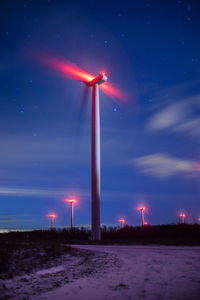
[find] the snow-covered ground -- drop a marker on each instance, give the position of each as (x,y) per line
(115,272)
(58,272)
(139,272)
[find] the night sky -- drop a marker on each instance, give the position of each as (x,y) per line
(150,147)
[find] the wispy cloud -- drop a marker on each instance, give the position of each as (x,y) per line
(12,217)
(182,116)
(164,166)
(6,217)
(167,117)
(24,150)
(39,192)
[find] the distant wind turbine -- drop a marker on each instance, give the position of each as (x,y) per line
(142,209)
(52,217)
(182,217)
(122,221)
(72,202)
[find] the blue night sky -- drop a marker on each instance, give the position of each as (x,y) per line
(150,147)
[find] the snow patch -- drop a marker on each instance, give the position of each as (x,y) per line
(50,270)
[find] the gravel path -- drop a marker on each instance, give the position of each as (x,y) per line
(139,272)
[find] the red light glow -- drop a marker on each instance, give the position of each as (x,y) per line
(53,216)
(70,200)
(182,215)
(113,92)
(146,223)
(122,220)
(67,69)
(141,208)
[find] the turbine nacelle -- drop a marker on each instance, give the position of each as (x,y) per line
(98,80)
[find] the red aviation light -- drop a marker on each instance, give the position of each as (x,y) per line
(53,216)
(98,80)
(122,220)
(182,215)
(141,208)
(70,200)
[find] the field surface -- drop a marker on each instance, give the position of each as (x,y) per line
(136,272)
(52,270)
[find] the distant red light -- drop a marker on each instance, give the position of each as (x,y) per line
(53,216)
(182,215)
(71,200)
(146,223)
(122,220)
(141,208)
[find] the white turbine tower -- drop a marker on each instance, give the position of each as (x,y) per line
(95,157)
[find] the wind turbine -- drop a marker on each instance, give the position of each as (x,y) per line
(122,221)
(182,217)
(67,69)
(52,217)
(71,202)
(142,209)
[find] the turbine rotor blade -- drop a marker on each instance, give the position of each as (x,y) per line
(80,129)
(67,69)
(64,68)
(84,104)
(113,92)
